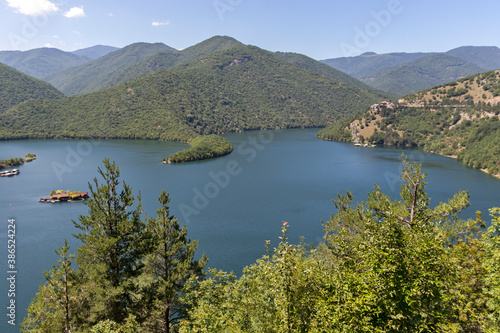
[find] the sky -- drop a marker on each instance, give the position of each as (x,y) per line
(320,29)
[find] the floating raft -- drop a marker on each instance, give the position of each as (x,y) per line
(65,197)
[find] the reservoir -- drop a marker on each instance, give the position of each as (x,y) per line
(231,205)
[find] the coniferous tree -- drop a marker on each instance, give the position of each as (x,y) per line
(112,237)
(56,306)
(168,265)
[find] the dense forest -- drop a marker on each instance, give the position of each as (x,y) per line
(17,87)
(385,265)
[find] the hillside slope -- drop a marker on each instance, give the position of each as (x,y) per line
(17,87)
(419,74)
(41,62)
(90,76)
(323,69)
(458,119)
(166,60)
(232,90)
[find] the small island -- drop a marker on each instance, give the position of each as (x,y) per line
(202,147)
(12,162)
(68,196)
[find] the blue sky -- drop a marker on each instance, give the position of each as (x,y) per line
(320,29)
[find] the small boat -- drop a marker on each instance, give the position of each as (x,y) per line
(9,173)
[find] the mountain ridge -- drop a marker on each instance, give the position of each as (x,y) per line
(236,89)
(41,62)
(89,76)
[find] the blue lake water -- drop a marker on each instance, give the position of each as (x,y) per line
(232,205)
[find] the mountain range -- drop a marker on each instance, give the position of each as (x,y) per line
(405,73)
(238,88)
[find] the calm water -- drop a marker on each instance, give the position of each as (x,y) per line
(231,204)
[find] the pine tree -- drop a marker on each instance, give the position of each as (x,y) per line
(168,265)
(112,237)
(56,306)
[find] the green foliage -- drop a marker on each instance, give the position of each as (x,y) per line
(492,266)
(112,237)
(17,87)
(203,147)
(58,301)
(386,266)
(476,143)
(168,267)
(132,276)
(339,131)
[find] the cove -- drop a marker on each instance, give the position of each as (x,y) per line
(232,204)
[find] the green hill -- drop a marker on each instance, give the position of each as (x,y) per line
(17,87)
(458,119)
(166,60)
(41,62)
(92,75)
(422,73)
(232,90)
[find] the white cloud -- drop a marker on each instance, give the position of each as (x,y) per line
(49,45)
(158,23)
(33,7)
(75,12)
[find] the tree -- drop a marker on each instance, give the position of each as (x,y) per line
(56,305)
(168,266)
(492,266)
(391,269)
(113,242)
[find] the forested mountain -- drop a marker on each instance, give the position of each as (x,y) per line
(239,88)
(166,60)
(322,69)
(370,62)
(17,87)
(419,74)
(458,119)
(487,57)
(90,76)
(95,52)
(41,62)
